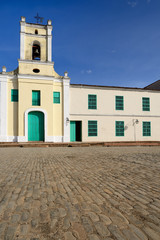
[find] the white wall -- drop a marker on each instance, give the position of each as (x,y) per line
(3,108)
(106,115)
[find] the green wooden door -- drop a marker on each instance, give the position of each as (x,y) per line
(72,131)
(35,126)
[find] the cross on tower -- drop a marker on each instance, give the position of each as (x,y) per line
(39,18)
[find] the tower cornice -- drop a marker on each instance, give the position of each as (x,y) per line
(36,62)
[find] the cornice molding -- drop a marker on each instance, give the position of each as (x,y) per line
(35,62)
(114,115)
(36,25)
(109,88)
(39,77)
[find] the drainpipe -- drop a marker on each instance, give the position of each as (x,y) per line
(135,121)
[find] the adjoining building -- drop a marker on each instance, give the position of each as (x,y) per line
(37,104)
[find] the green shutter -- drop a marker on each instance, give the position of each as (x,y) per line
(92,128)
(56,97)
(145,104)
(14,95)
(119,103)
(146,129)
(92,101)
(35,98)
(119,128)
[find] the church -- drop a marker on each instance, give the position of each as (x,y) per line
(37,104)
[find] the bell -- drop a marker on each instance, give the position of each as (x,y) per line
(37,51)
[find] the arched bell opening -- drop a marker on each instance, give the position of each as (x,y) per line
(36,51)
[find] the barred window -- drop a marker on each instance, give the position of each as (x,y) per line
(92,101)
(119,128)
(119,103)
(92,128)
(145,104)
(146,129)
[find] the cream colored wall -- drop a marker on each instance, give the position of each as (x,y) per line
(58,111)
(27,68)
(31,30)
(106,128)
(106,101)
(28,46)
(106,115)
(12,110)
(45,69)
(54,113)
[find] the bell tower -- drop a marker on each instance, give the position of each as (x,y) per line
(35,41)
(36,49)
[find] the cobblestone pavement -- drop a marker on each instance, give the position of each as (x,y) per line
(80,193)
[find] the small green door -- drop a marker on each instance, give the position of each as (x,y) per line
(72,131)
(35,126)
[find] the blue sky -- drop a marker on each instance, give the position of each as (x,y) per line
(102,42)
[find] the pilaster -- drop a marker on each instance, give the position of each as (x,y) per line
(22,37)
(49,41)
(3,108)
(66,125)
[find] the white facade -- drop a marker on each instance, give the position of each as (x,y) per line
(106,114)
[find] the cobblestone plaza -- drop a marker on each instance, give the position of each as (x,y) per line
(90,193)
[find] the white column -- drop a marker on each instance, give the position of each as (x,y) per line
(22,38)
(3,107)
(49,48)
(49,41)
(66,123)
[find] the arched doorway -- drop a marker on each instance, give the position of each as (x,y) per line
(35,126)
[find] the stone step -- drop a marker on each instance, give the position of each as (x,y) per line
(79,144)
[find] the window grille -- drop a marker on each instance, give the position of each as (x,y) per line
(92,128)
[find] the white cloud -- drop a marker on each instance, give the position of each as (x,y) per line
(89,71)
(132,3)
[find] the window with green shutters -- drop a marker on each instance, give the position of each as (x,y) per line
(119,128)
(14,95)
(119,103)
(35,98)
(92,128)
(56,97)
(92,101)
(145,104)
(146,129)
